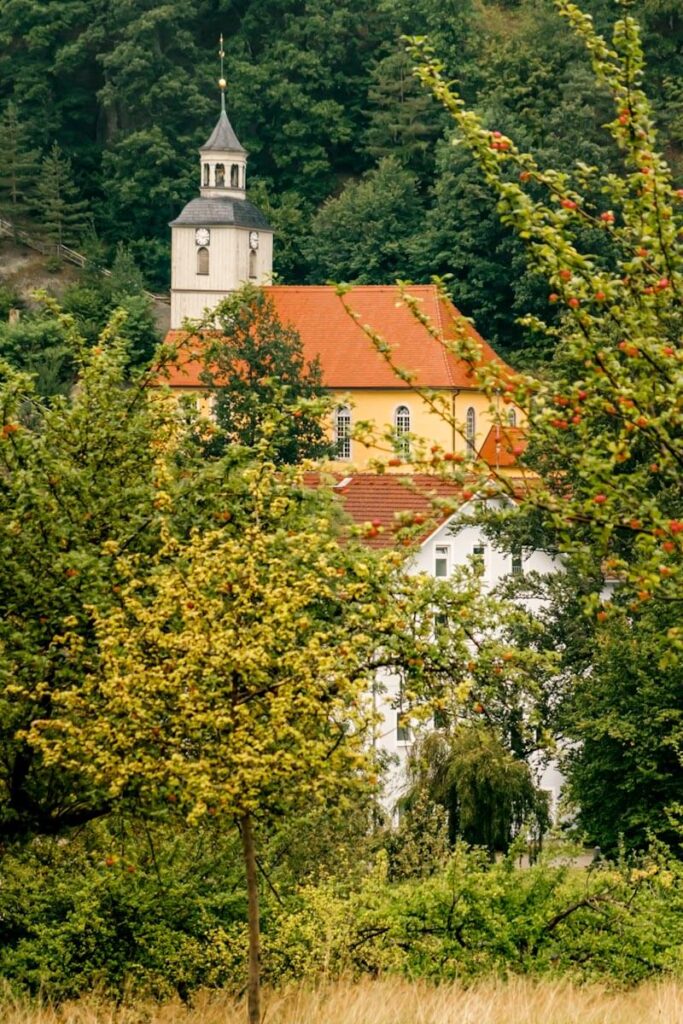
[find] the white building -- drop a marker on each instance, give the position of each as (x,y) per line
(220,241)
(447,546)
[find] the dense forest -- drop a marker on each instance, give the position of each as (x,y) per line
(103,108)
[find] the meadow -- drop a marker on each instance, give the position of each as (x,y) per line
(391,1001)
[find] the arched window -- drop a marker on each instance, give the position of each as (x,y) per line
(235,176)
(203,260)
(401,430)
(206,174)
(512,418)
(244,176)
(219,177)
(252,265)
(471,430)
(342,433)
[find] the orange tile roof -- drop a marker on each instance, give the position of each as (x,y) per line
(503,446)
(381,500)
(347,356)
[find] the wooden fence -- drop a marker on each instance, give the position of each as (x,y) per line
(62,251)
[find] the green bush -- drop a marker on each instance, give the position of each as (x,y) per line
(125,910)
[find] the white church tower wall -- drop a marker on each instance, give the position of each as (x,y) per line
(220,241)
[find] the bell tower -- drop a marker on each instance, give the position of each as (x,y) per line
(220,240)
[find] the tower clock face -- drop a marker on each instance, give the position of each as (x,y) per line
(253,239)
(202,236)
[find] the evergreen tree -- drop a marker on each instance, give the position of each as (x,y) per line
(63,216)
(403,121)
(18,165)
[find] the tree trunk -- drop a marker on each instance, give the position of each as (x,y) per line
(254,974)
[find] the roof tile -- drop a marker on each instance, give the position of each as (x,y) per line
(347,356)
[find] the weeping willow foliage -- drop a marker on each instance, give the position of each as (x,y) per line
(488,794)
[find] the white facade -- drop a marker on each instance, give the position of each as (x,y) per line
(457,546)
(230,264)
(220,241)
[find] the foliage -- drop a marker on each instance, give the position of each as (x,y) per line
(317,94)
(18,165)
(132,909)
(77,486)
(624,722)
(604,432)
(256,364)
(63,215)
(366,234)
(489,795)
(38,345)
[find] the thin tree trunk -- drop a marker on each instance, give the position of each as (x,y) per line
(254,974)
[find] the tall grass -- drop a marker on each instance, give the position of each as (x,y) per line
(390,1002)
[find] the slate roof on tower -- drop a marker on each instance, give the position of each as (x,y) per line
(223,137)
(347,357)
(209,212)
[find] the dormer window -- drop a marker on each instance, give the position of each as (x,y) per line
(235,176)
(219,175)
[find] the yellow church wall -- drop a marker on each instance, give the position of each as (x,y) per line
(379,407)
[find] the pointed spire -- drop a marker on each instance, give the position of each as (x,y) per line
(223,136)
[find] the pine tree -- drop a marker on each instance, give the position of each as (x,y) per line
(63,215)
(18,164)
(403,121)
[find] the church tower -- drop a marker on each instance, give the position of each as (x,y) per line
(220,241)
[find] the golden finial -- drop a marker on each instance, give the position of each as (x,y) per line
(222,83)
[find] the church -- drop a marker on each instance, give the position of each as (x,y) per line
(221,240)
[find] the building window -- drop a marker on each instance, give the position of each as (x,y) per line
(342,433)
(252,265)
(478,554)
(206,174)
(203,260)
(401,430)
(235,176)
(512,418)
(441,560)
(517,567)
(403,731)
(219,175)
(470,430)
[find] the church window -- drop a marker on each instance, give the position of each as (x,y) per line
(252,265)
(219,175)
(235,176)
(401,430)
(206,174)
(342,433)
(203,260)
(512,418)
(470,430)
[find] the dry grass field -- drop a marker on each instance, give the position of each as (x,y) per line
(392,1002)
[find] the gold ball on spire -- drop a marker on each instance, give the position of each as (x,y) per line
(222,83)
